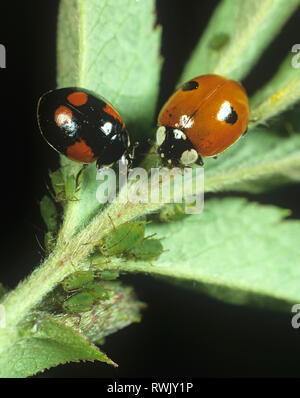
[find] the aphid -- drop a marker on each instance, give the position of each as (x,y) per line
(86,291)
(79,302)
(49,241)
(97,291)
(219,41)
(172,212)
(77,280)
(64,190)
(108,275)
(147,250)
(123,238)
(57,182)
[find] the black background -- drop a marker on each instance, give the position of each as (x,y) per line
(182,333)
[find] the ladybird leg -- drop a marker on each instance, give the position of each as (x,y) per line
(84,166)
(245,132)
(215,157)
(99,164)
(131,153)
(199,161)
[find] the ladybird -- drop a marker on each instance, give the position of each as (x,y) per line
(82,126)
(203,118)
(148,250)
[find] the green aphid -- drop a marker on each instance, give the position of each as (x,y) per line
(77,280)
(97,291)
(123,238)
(79,302)
(49,241)
(63,189)
(49,213)
(70,187)
(219,41)
(108,275)
(172,212)
(57,182)
(148,250)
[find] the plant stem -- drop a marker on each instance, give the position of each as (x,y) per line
(68,254)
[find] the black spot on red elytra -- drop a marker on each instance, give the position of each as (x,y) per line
(232,117)
(191,85)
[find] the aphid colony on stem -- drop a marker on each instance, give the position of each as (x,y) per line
(127,240)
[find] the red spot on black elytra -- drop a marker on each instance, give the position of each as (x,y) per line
(81,152)
(63,115)
(78,98)
(111,111)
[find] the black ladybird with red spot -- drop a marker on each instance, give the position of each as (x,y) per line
(82,126)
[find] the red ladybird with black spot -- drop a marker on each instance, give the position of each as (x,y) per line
(203,118)
(83,126)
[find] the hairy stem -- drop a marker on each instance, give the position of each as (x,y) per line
(67,256)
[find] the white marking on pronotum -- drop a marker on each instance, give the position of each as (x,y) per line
(106,128)
(225,111)
(178,134)
(160,135)
(189,156)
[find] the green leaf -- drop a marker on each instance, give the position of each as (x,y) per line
(48,344)
(239,252)
(259,161)
(49,213)
(112,48)
(249,26)
(279,94)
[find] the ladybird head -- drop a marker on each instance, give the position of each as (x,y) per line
(174,148)
(119,148)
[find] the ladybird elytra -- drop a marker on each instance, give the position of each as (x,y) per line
(83,126)
(203,118)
